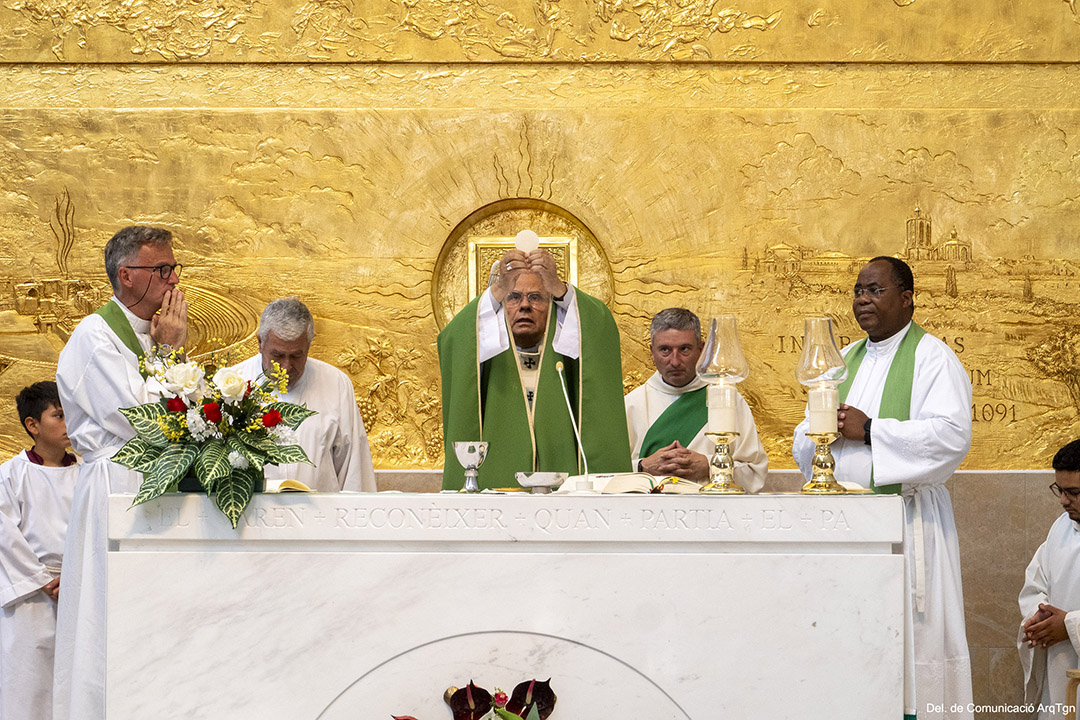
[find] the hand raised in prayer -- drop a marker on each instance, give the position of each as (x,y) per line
(678,461)
(52,589)
(850,421)
(1046,627)
(512,264)
(542,263)
(170,325)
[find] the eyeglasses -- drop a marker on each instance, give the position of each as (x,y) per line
(535,299)
(1070,493)
(163,271)
(874,292)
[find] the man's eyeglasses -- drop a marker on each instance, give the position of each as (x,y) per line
(1070,493)
(163,271)
(874,292)
(535,299)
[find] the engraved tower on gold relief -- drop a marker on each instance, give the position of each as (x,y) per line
(919,244)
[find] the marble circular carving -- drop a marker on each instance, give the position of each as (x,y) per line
(505,218)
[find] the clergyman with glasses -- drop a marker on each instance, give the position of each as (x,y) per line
(97,374)
(1049,638)
(905,424)
(499,359)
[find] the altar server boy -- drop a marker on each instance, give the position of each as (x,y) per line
(35,501)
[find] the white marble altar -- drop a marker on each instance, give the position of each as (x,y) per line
(357,606)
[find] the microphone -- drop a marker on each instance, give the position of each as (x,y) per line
(573,424)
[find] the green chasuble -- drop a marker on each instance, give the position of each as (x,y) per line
(896,395)
(682,421)
(117,321)
(487,402)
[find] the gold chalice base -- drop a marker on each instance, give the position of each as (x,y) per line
(823,486)
(722,488)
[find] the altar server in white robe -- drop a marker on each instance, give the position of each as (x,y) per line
(35,503)
(1049,638)
(335,439)
(668,439)
(97,374)
(905,424)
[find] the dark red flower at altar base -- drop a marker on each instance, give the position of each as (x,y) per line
(212,412)
(470,702)
(271,418)
(530,693)
(175,404)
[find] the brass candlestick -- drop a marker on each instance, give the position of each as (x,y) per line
(722,466)
(822,482)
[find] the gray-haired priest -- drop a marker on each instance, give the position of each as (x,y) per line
(97,374)
(335,439)
(667,415)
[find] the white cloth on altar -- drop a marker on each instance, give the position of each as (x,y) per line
(1053,578)
(492,336)
(96,376)
(35,503)
(335,439)
(920,454)
(647,402)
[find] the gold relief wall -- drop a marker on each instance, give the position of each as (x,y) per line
(744,159)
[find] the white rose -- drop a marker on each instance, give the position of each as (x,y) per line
(230,384)
(183,379)
(238,461)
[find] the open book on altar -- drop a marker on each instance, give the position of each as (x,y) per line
(644,483)
(288,486)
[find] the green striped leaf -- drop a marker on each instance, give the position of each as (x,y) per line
(256,441)
(212,464)
(167,470)
(285,454)
(134,452)
(234,493)
(254,458)
(144,418)
(146,462)
(291,413)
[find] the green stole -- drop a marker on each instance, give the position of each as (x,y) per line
(117,321)
(896,394)
(487,402)
(682,421)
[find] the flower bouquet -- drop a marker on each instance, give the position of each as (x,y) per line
(221,428)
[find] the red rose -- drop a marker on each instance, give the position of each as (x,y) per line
(176,405)
(501,699)
(212,412)
(271,418)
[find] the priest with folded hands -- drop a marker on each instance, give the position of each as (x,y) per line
(667,415)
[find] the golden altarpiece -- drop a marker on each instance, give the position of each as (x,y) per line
(742,159)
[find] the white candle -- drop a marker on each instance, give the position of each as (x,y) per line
(721,402)
(823,402)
